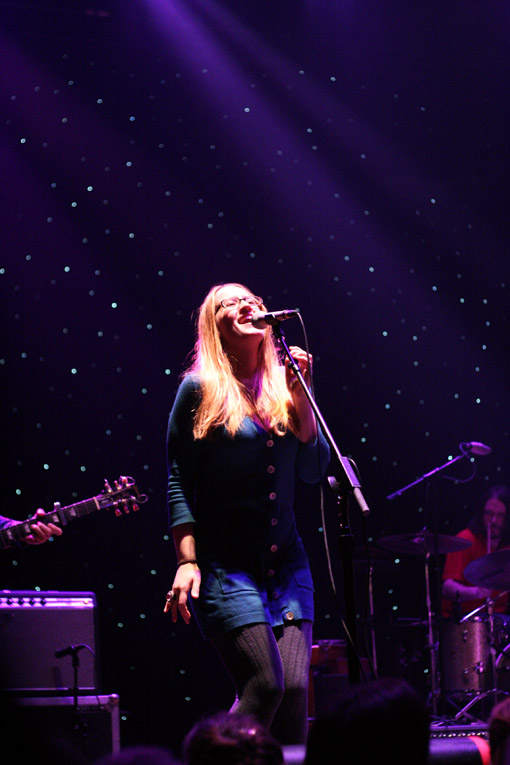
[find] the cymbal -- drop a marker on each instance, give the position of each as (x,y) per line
(423,542)
(491,571)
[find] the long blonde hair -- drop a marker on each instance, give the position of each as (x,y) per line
(225,401)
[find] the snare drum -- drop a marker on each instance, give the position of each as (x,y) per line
(466,657)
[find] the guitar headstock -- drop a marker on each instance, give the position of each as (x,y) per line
(123,496)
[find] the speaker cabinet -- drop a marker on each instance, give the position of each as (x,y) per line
(66,728)
(34,626)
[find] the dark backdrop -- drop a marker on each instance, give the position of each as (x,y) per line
(348,158)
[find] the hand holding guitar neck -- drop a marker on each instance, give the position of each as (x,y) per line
(123,497)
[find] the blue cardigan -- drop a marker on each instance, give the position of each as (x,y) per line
(239,493)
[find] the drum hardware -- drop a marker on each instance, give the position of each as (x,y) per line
(373,559)
(484,656)
(425,543)
(503,668)
(432,645)
(496,692)
(492,643)
(491,571)
(372,619)
(489,668)
(502,639)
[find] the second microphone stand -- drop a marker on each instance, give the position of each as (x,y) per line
(345,486)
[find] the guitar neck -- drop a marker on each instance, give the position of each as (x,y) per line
(61,516)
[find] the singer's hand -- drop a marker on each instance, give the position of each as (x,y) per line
(301,358)
(304,417)
(186,582)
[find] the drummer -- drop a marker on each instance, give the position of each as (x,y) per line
(488,531)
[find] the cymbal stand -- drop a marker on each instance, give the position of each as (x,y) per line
(492,642)
(432,644)
(372,618)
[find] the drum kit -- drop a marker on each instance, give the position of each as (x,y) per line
(475,649)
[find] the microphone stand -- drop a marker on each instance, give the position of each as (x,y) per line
(346,486)
(79,726)
(76,665)
(423,477)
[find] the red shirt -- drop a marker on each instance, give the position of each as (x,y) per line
(454,566)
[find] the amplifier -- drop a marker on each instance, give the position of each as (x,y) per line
(68,729)
(464,750)
(34,626)
(453,730)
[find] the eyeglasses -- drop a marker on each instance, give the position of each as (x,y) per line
(233,302)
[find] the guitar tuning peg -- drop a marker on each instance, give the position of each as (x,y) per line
(107,486)
(134,505)
(117,509)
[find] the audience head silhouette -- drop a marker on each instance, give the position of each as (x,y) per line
(499,733)
(231,739)
(383,719)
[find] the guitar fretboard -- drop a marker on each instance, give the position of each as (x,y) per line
(16,533)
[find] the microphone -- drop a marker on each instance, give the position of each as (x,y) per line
(475,447)
(69,651)
(262,320)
